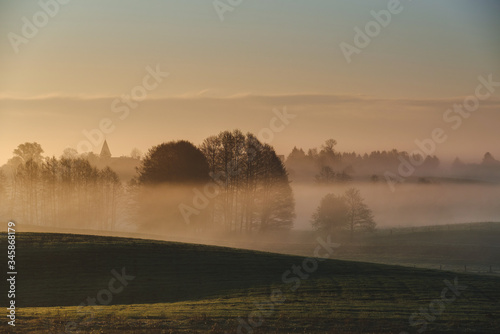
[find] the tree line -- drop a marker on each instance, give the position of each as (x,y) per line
(66,192)
(232,182)
(327,165)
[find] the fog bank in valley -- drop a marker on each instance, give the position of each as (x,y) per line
(409,204)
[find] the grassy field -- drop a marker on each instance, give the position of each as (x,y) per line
(188,288)
(473,247)
(454,247)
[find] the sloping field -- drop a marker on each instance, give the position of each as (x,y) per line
(164,287)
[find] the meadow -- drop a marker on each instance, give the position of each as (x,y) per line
(192,288)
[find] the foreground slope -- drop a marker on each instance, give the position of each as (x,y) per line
(186,288)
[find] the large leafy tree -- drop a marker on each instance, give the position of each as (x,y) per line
(173,162)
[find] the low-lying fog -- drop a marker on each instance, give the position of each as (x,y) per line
(410,204)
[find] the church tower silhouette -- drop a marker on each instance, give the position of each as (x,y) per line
(105,152)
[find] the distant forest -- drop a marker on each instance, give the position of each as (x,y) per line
(326,165)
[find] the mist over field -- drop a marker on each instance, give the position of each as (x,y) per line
(411,204)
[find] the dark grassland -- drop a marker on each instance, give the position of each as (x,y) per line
(189,288)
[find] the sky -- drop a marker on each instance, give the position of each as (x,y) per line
(65,84)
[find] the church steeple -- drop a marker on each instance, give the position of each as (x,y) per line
(105,152)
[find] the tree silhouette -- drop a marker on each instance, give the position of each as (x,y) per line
(3,195)
(326,175)
(29,151)
(67,192)
(346,165)
(173,162)
(276,205)
(331,214)
(359,216)
(327,155)
(110,191)
(255,193)
(347,212)
(26,166)
(489,160)
(69,153)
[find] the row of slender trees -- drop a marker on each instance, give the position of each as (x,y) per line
(3,195)
(67,192)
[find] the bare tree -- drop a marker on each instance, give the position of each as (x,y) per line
(276,207)
(28,159)
(3,195)
(211,148)
(359,216)
(50,179)
(255,194)
(110,189)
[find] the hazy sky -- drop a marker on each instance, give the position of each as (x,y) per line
(232,73)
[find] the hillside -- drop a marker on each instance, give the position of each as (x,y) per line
(178,287)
